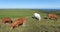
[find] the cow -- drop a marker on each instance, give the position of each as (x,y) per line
(37,16)
(17,22)
(54,16)
(6,20)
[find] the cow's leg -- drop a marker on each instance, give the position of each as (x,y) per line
(39,19)
(49,17)
(24,23)
(55,19)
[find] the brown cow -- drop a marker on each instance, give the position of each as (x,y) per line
(6,20)
(54,16)
(17,22)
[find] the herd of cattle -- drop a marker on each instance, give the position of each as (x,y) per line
(21,20)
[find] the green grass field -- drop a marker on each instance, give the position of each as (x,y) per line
(31,25)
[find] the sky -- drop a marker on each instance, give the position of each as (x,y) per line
(30,4)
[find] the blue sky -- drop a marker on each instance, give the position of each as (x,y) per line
(40,4)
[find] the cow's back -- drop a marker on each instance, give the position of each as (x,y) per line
(6,20)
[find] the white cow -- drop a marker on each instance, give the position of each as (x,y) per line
(36,15)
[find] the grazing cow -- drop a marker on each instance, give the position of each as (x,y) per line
(17,22)
(37,16)
(54,16)
(6,20)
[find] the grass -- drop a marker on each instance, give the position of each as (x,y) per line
(32,25)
